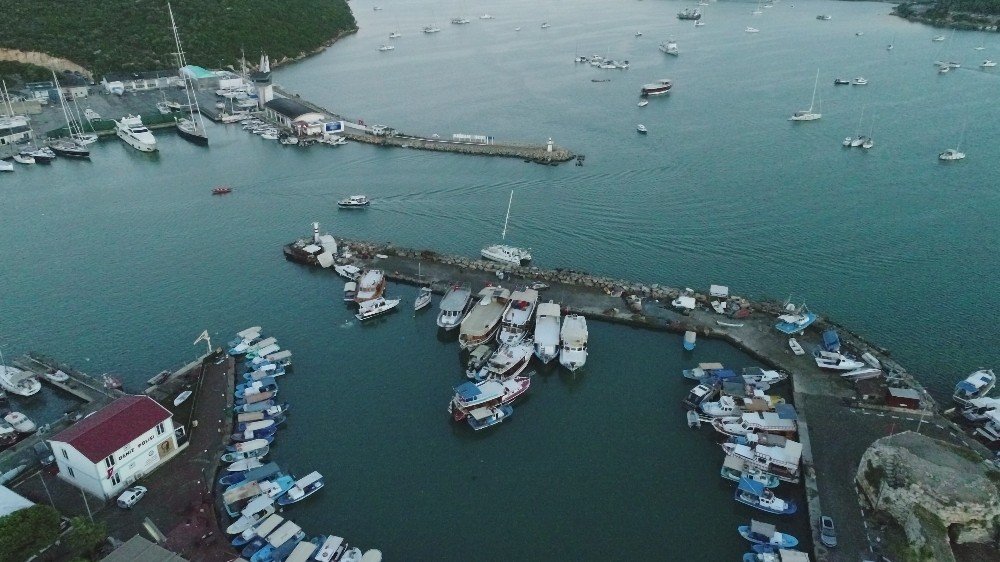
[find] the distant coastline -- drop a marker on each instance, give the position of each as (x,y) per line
(971,15)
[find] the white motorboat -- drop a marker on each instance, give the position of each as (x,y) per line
(91,115)
(976,385)
(796,347)
(860,81)
(836,361)
(938,38)
(507,362)
(375,307)
(131,130)
(384,47)
(641,129)
(951,154)
(23,159)
(20,422)
(752,30)
(988,63)
(547,324)
(395,35)
(483,320)
(270,134)
(670,48)
(699,23)
(808,114)
(423,298)
(354,202)
(431,29)
(502,252)
(460,21)
(573,353)
(485,17)
(16,381)
(371,285)
(643,103)
(546,26)
(56,376)
(453,306)
(658,88)
(518,316)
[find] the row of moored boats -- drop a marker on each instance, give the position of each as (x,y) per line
(254,490)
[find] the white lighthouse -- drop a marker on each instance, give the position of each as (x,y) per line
(262,81)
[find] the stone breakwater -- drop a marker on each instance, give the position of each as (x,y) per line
(538,154)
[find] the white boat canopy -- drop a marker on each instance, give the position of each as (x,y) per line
(720,291)
(269,524)
(285,532)
(684,302)
(245,334)
(480,414)
(311,478)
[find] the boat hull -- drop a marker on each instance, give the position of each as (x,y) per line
(135,143)
(196,136)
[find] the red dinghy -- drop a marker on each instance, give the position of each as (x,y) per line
(222,190)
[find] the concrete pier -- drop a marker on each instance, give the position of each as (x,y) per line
(836,426)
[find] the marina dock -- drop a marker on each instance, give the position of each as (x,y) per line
(828,407)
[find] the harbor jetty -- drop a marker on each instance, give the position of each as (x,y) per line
(828,406)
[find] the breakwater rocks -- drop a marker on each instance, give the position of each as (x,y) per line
(539,154)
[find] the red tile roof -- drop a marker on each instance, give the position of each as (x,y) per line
(114,426)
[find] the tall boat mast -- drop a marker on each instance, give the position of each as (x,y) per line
(503,235)
(197,125)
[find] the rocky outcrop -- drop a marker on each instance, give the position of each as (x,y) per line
(938,493)
(43,60)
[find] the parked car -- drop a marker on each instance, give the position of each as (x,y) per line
(131,496)
(44,453)
(827,532)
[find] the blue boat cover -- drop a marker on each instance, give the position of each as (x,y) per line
(467,391)
(786,411)
(966,386)
(831,341)
(790,328)
(722,374)
(751,486)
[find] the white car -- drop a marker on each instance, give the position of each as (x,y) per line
(131,496)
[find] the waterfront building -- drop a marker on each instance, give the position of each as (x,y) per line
(903,398)
(73,85)
(262,81)
(295,116)
(14,129)
(139,81)
(138,548)
(110,449)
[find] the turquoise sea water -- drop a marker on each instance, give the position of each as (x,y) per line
(117,264)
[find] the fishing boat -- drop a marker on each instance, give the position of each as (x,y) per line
(254,512)
(354,202)
(234,457)
(547,327)
(477,360)
(483,320)
(247,446)
(222,190)
(16,381)
(329,547)
(256,406)
(658,88)
(423,298)
(261,472)
(302,552)
(470,396)
(836,361)
(504,253)
(384,47)
(460,21)
(288,534)
(260,530)
(131,130)
(860,81)
(348,271)
(757,496)
(20,422)
(431,29)
(863,373)
(192,127)
(780,460)
(453,306)
(507,362)
(376,307)
(769,376)
(482,418)
(371,285)
(641,129)
(808,114)
(253,398)
(303,488)
(699,394)
(841,82)
(573,353)
(689,340)
(736,469)
(795,320)
(246,435)
(824,17)
(976,385)
(518,316)
(765,533)
(182,397)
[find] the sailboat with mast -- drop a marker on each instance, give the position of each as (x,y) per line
(68,146)
(191,127)
(809,114)
(504,253)
(952,154)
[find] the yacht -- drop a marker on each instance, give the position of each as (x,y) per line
(23,159)
(483,320)
(131,130)
(641,129)
(988,63)
(431,29)
(573,353)
(375,307)
(752,30)
(16,381)
(485,17)
(518,316)
(657,88)
(508,362)
(469,396)
(192,127)
(460,21)
(546,26)
(808,114)
(860,81)
(547,323)
(836,361)
(670,48)
(976,385)
(371,285)
(69,148)
(395,35)
(385,47)
(20,422)
(938,38)
(502,252)
(453,306)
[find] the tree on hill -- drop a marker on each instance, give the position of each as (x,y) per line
(85,537)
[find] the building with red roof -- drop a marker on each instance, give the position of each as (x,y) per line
(110,449)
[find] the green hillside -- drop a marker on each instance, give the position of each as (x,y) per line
(113,35)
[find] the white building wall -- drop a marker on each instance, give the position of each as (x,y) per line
(76,468)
